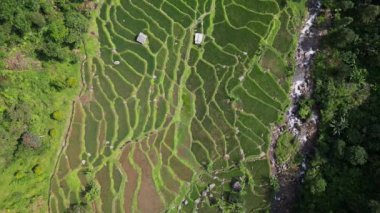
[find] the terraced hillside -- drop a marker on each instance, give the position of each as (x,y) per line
(171,125)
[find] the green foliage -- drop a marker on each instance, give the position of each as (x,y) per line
(51,28)
(357,155)
(58,115)
(19,174)
(38,30)
(369,13)
(37,19)
(76,21)
(305,106)
(37,169)
(53,133)
(26,100)
(274,183)
(91,192)
(21,23)
(57,31)
(343,37)
(344,171)
(79,208)
(318,186)
(31,140)
(71,82)
(286,148)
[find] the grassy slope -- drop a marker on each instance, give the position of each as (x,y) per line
(34,88)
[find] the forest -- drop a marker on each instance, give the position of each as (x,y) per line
(344,173)
(40,45)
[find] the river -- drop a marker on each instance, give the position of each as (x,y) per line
(303,130)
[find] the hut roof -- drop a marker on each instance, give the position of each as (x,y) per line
(198,38)
(141,38)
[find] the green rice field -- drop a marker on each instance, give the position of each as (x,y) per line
(154,131)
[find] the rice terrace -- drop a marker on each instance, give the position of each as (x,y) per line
(178,122)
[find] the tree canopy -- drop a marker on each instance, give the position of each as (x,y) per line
(344,171)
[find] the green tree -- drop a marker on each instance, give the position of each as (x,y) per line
(7,9)
(37,19)
(58,31)
(91,192)
(346,5)
(318,186)
(53,133)
(31,140)
(22,23)
(357,155)
(76,21)
(53,50)
(369,13)
(343,37)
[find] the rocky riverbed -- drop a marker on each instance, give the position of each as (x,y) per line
(303,130)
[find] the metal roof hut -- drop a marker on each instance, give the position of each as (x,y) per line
(198,38)
(141,38)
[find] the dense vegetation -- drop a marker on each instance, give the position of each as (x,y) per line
(51,28)
(39,75)
(345,170)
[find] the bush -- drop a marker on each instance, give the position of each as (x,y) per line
(357,155)
(58,31)
(58,115)
(53,133)
(19,174)
(37,169)
(30,140)
(318,186)
(274,183)
(305,108)
(92,192)
(71,82)
(37,19)
(53,50)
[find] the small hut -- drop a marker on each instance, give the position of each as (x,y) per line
(198,38)
(141,38)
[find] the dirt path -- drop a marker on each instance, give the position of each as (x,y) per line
(65,137)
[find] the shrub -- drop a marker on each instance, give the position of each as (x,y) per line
(19,174)
(37,19)
(357,155)
(37,169)
(57,30)
(71,82)
(58,85)
(58,115)
(53,50)
(91,192)
(30,140)
(53,133)
(305,108)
